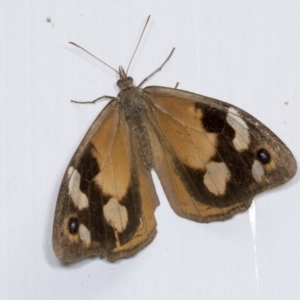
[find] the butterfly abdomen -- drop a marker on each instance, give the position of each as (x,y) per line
(144,146)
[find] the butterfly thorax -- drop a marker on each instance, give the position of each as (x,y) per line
(131,102)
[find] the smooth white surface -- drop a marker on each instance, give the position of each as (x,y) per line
(243,52)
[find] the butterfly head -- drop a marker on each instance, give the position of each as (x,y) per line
(125,81)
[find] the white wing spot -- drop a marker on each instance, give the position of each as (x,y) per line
(116,214)
(79,199)
(216,177)
(141,224)
(84,234)
(241,140)
(258,171)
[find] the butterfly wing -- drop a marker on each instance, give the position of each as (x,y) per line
(107,199)
(211,157)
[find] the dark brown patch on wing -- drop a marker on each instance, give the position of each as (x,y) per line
(132,202)
(212,120)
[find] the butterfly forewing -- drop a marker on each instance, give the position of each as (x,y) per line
(107,200)
(211,157)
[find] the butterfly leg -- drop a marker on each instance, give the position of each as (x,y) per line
(94,101)
(158,69)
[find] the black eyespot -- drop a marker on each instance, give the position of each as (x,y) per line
(130,79)
(73,225)
(120,83)
(264,156)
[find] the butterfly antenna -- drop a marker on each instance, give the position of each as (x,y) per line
(138,44)
(93,56)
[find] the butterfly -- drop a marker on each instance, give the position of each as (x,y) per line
(211,157)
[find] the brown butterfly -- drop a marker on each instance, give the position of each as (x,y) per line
(212,158)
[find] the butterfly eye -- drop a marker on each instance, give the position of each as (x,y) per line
(120,83)
(264,156)
(73,225)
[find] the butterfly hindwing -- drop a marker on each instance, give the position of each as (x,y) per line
(107,199)
(211,157)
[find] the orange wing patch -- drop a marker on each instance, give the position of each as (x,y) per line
(180,124)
